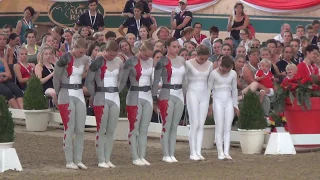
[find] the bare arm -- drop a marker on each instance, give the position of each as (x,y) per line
(184,23)
(173,21)
(35,17)
(38,72)
(247,75)
(152,29)
(229,27)
(120,30)
(7,71)
(245,24)
(18,27)
(234,91)
(17,72)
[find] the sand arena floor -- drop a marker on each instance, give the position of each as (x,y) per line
(42,157)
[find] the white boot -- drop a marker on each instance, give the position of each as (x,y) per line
(174,159)
(145,162)
(111,165)
(138,162)
(103,165)
(81,166)
(167,159)
(71,166)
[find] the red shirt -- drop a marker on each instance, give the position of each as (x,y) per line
(285,81)
(304,70)
(267,81)
(26,71)
(202,36)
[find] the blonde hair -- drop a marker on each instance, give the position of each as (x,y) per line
(44,39)
(146,45)
(21,49)
(44,48)
(265,61)
(97,35)
(293,66)
(81,43)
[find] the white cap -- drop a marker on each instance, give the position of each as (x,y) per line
(183,1)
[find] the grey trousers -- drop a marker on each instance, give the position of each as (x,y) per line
(73,116)
(106,117)
(171,112)
(139,118)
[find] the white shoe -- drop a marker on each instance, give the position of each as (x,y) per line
(228,157)
(103,165)
(221,157)
(174,159)
(138,162)
(111,165)
(201,157)
(145,162)
(167,159)
(71,166)
(194,158)
(81,166)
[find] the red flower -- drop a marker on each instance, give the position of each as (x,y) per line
(293,86)
(306,80)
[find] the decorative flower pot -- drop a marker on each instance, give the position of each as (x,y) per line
(9,159)
(37,120)
(251,141)
(122,129)
(303,122)
(6,145)
(208,137)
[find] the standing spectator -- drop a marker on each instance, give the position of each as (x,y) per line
(181,19)
(285,27)
(91,19)
(129,8)
(237,21)
(134,23)
(29,17)
(316,26)
(154,21)
(7,30)
(311,35)
(208,42)
(197,27)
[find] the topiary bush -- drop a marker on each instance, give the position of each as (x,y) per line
(34,98)
(6,122)
(252,115)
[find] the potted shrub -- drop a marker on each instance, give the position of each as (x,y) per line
(251,124)
(35,106)
(208,133)
(8,156)
(298,98)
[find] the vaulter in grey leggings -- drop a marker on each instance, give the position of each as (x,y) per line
(67,84)
(104,72)
(139,102)
(172,70)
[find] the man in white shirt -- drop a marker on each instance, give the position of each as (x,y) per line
(285,27)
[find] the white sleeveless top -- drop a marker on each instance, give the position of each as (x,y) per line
(76,78)
(145,80)
(177,77)
(111,80)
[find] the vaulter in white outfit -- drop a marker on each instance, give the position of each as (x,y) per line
(223,81)
(197,97)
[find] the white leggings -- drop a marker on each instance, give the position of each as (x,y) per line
(197,105)
(223,116)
